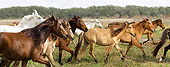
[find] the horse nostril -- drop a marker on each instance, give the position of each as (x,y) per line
(86,30)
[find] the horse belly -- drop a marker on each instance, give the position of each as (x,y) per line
(104,41)
(18,51)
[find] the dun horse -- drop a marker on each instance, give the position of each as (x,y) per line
(155,23)
(97,36)
(28,44)
(161,43)
(139,29)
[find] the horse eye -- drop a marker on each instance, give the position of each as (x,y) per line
(97,22)
(79,21)
(130,27)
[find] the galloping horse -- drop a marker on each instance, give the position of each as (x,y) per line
(161,43)
(28,44)
(139,29)
(155,23)
(89,25)
(28,21)
(53,40)
(97,36)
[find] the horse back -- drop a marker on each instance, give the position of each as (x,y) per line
(15,44)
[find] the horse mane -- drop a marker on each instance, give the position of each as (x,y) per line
(156,21)
(37,32)
(117,30)
(162,42)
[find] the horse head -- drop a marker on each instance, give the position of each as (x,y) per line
(97,23)
(129,28)
(67,27)
(77,22)
(160,23)
(56,27)
(148,25)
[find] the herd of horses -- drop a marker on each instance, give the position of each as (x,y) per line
(35,38)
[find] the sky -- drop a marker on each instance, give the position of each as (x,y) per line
(64,4)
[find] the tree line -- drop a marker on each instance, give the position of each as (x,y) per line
(108,11)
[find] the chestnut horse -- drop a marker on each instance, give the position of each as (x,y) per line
(75,22)
(97,36)
(139,29)
(53,41)
(155,23)
(28,44)
(161,43)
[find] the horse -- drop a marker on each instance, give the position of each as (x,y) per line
(28,21)
(161,43)
(155,23)
(89,25)
(139,29)
(54,41)
(28,44)
(97,36)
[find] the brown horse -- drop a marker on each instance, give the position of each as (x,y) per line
(161,43)
(155,23)
(139,29)
(75,22)
(28,44)
(97,36)
(53,41)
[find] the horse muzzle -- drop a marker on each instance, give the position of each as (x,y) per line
(86,30)
(134,35)
(153,30)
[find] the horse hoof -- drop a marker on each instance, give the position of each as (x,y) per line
(68,60)
(161,59)
(122,59)
(96,61)
(53,65)
(144,58)
(60,63)
(79,60)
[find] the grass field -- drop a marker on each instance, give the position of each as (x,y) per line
(133,58)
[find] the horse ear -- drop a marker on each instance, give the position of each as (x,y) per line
(126,23)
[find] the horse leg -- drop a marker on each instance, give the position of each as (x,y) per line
(109,48)
(24,63)
(50,57)
(152,38)
(83,49)
(128,47)
(91,51)
(165,50)
(40,59)
(60,56)
(139,46)
(118,48)
(9,63)
(72,53)
(148,35)
(16,63)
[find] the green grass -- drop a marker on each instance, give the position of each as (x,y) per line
(133,58)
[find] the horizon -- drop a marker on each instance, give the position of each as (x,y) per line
(67,4)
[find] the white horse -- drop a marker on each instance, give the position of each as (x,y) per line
(89,25)
(28,21)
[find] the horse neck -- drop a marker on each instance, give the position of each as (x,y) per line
(90,25)
(139,28)
(121,33)
(155,24)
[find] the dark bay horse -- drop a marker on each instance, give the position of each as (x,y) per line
(155,23)
(161,43)
(28,44)
(98,36)
(139,29)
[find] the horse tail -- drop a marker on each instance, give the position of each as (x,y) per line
(161,43)
(78,45)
